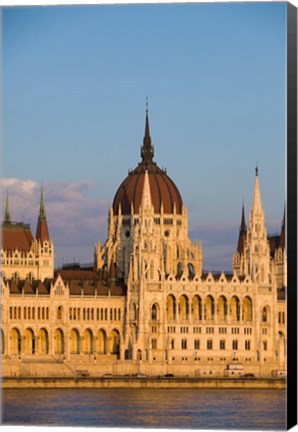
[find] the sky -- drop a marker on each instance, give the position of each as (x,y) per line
(74,88)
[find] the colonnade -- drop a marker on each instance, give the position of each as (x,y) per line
(59,342)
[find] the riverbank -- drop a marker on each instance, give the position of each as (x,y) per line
(148,382)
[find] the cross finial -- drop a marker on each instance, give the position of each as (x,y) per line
(146,104)
(257,169)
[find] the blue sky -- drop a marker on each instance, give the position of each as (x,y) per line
(75,81)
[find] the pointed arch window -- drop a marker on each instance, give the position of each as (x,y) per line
(154,312)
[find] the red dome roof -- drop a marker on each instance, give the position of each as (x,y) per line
(163,190)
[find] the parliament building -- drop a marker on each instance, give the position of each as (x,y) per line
(146,306)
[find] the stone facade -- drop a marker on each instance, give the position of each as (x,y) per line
(147,306)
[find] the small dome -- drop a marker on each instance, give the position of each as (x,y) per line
(163,190)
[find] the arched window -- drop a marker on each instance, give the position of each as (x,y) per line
(87,342)
(222,308)
(197,310)
(171,308)
(15,342)
(43,341)
(29,341)
(58,342)
(235,308)
(101,347)
(60,313)
(184,307)
(247,309)
(179,269)
(191,271)
(75,342)
(281,347)
(115,343)
(154,312)
(265,314)
(2,347)
(209,308)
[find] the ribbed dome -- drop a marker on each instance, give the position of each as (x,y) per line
(163,190)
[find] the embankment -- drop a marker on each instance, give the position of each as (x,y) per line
(128,382)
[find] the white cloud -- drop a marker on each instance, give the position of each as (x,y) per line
(76,221)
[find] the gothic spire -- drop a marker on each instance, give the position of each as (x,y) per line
(243,225)
(242,233)
(257,202)
(146,196)
(282,239)
(42,212)
(42,232)
(7,218)
(147,150)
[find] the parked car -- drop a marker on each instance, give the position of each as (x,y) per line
(168,375)
(82,374)
(107,375)
(247,375)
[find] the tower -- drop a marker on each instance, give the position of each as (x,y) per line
(279,256)
(239,256)
(258,251)
(148,242)
(22,255)
(253,251)
(43,245)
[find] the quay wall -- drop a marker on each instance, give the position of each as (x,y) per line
(191,383)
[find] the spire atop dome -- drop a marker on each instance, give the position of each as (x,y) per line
(147,150)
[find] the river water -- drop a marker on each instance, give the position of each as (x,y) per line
(146,408)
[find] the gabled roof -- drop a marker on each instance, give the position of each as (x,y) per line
(76,274)
(16,236)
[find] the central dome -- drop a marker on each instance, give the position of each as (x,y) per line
(163,190)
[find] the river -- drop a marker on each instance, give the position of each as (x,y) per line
(146,408)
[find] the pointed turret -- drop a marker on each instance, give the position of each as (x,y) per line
(42,211)
(147,150)
(146,197)
(7,219)
(242,233)
(282,239)
(257,208)
(258,245)
(42,232)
